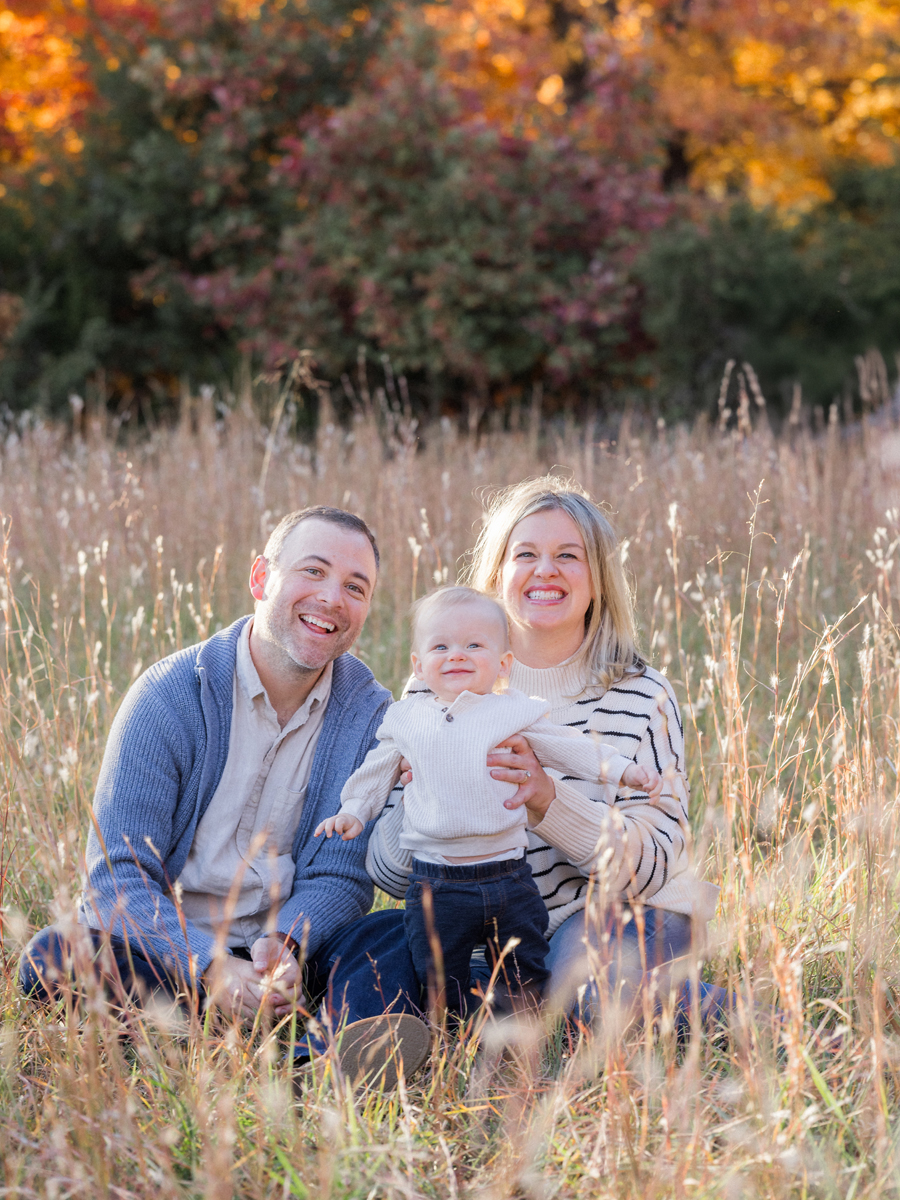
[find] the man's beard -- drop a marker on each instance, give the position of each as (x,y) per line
(279,633)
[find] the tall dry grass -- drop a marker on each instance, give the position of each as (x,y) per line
(766,573)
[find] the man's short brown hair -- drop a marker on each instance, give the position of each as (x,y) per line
(319,512)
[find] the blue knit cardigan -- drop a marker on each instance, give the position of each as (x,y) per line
(164,759)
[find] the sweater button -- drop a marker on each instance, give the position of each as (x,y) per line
(449,716)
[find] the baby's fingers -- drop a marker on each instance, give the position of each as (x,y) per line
(348,828)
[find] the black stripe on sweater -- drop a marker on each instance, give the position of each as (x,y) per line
(622,712)
(653,748)
(629,692)
(562,883)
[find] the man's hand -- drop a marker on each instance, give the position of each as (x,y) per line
(234,986)
(643,779)
(348,827)
(278,973)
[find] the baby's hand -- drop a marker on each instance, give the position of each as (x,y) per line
(348,827)
(643,780)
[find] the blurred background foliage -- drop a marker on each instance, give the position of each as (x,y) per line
(605,199)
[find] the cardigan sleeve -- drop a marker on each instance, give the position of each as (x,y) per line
(633,844)
(127,891)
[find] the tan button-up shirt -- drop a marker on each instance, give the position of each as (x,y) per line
(241,863)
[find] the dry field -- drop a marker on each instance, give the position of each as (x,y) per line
(767,580)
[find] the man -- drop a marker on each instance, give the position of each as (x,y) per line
(202,871)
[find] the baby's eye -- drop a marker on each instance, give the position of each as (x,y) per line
(439,646)
(474,646)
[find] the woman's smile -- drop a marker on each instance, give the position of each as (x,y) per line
(539,595)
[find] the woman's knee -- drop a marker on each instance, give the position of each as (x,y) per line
(615,956)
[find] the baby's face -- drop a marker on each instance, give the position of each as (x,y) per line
(461,649)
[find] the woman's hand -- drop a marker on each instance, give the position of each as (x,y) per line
(537,791)
(405,771)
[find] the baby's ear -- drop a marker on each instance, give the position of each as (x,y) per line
(506,662)
(416,665)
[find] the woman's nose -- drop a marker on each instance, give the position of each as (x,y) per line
(545,567)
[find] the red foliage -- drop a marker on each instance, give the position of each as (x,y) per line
(459,247)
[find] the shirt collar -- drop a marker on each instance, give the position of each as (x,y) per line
(252,686)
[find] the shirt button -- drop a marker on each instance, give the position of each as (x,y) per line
(449,716)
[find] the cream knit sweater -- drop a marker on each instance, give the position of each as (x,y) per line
(636,849)
(453,805)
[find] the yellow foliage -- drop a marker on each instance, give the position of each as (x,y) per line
(551,89)
(755,62)
(764,96)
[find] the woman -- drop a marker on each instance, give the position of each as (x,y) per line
(613,870)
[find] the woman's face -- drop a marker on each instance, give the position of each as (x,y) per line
(545,581)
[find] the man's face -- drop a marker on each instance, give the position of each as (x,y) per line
(312,603)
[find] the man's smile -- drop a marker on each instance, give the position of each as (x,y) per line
(317,624)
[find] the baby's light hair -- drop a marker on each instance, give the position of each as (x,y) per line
(455,597)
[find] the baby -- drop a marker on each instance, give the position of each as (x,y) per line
(468,849)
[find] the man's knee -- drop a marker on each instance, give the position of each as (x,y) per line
(46,964)
(365,968)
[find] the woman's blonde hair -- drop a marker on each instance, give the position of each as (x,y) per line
(609,650)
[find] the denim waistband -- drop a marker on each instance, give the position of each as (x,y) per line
(477,871)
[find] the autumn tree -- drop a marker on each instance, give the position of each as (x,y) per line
(470,186)
(477,253)
(172,176)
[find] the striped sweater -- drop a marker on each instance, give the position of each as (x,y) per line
(637,850)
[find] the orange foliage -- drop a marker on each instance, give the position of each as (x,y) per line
(44,84)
